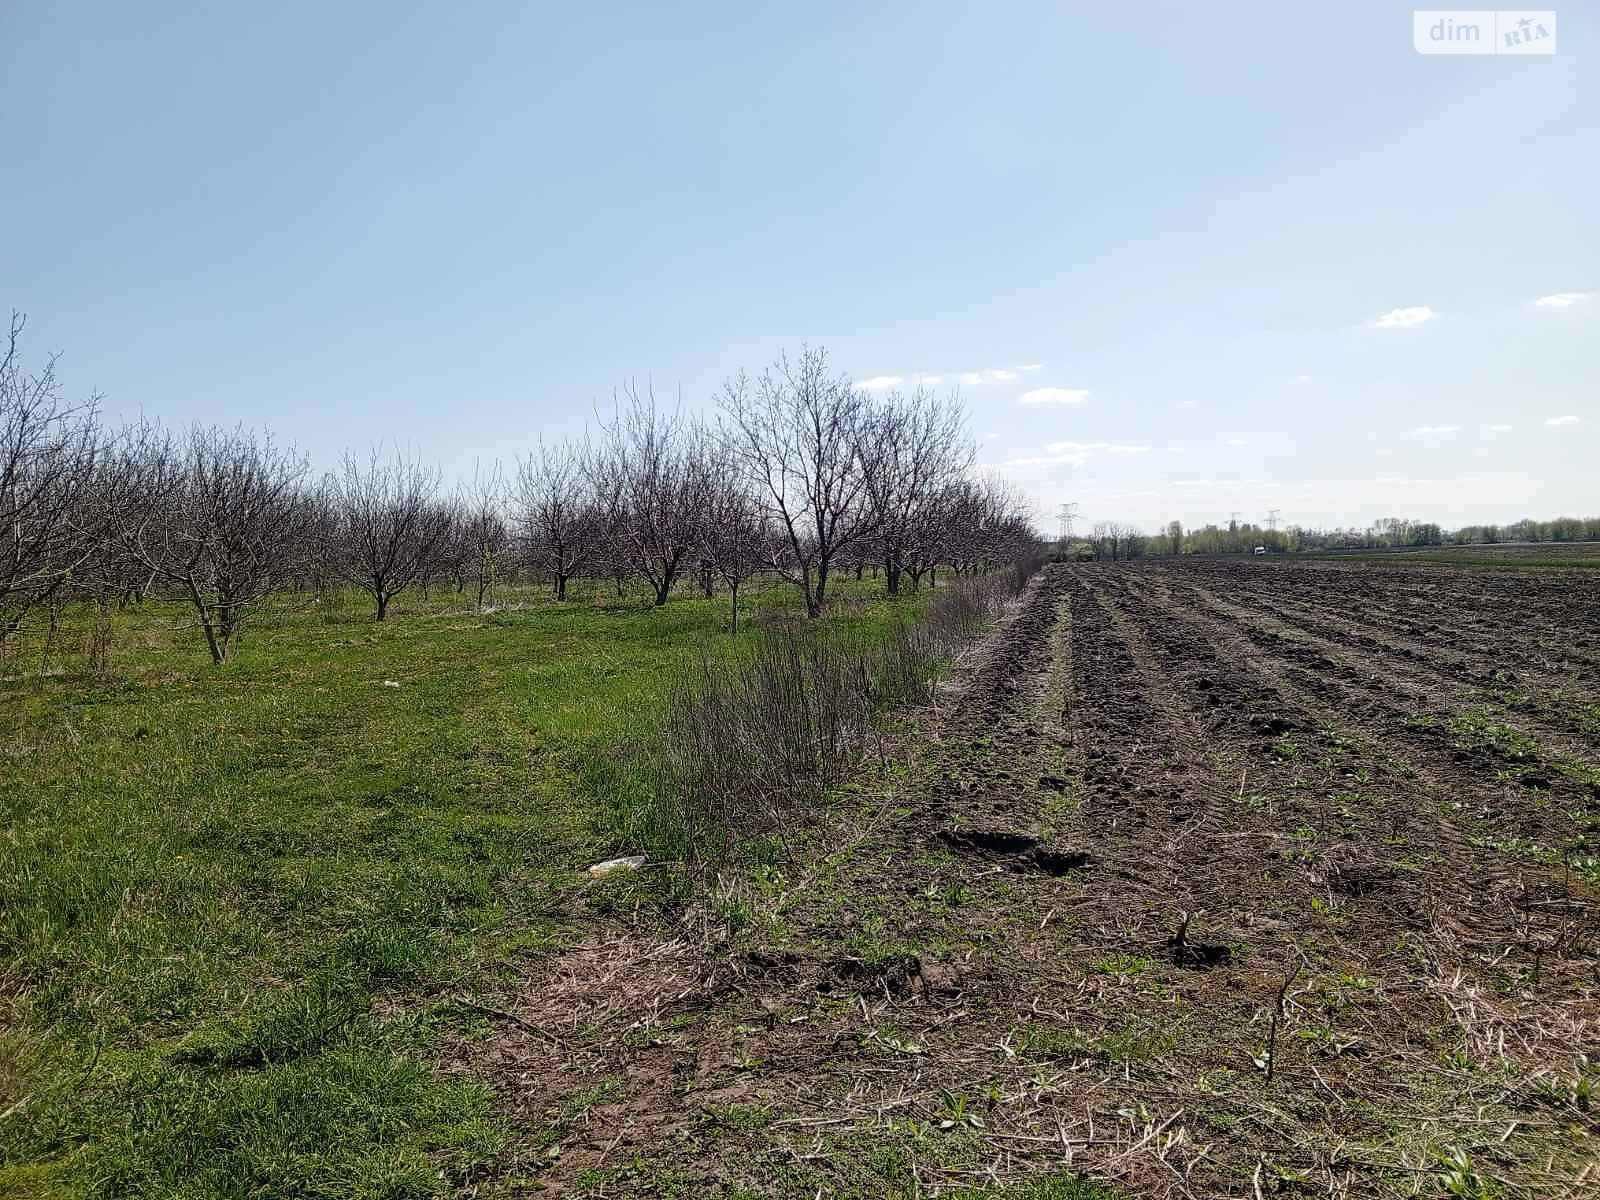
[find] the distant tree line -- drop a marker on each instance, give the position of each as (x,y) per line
(1114,541)
(799,474)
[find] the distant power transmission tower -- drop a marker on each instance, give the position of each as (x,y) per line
(1233,518)
(1272,518)
(1068,514)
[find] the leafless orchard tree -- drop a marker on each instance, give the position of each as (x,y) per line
(390,523)
(798,432)
(561,528)
(652,471)
(49,452)
(224,523)
(735,537)
(319,564)
(982,522)
(484,523)
(915,447)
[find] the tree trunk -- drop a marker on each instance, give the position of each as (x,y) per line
(820,596)
(383,606)
(891,571)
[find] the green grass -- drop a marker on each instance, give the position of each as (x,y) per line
(209,876)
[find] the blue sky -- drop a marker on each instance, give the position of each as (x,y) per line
(463,227)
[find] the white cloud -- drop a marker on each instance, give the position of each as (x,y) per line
(1054,395)
(1427,429)
(1399,318)
(1002,376)
(1074,454)
(972,377)
(1498,428)
(879,383)
(930,378)
(1562,299)
(1226,485)
(1031,367)
(1562,421)
(1108,447)
(1403,481)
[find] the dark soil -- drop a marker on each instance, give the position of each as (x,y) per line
(1213,879)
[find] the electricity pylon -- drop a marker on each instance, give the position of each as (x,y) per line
(1068,514)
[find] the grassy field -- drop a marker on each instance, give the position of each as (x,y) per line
(1507,556)
(222,891)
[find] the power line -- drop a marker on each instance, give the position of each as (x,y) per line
(1272,518)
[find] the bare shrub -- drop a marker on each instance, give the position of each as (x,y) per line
(747,742)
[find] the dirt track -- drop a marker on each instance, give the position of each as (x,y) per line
(1216,879)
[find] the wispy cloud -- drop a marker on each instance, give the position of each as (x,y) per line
(1074,454)
(972,377)
(930,378)
(1000,376)
(1406,481)
(1569,420)
(1498,428)
(1399,318)
(1227,485)
(1054,395)
(1031,367)
(1429,429)
(1562,299)
(879,383)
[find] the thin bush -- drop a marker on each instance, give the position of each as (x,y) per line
(747,743)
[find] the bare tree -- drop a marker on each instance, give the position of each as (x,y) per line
(49,449)
(914,447)
(652,472)
(735,538)
(389,522)
(798,431)
(486,533)
(224,523)
(560,526)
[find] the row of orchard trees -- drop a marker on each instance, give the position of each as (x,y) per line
(799,474)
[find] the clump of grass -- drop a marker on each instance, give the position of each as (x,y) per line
(1477,730)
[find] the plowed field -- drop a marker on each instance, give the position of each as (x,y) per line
(1215,879)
